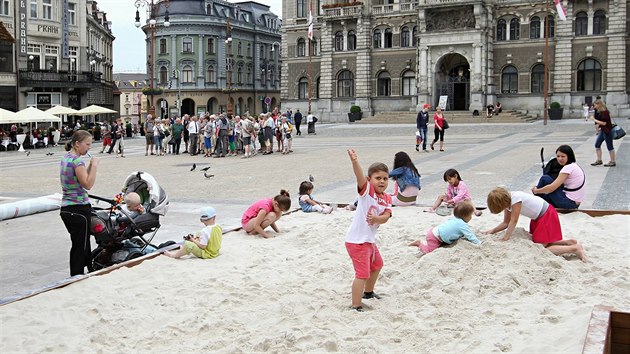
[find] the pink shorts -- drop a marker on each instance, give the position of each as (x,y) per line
(365,258)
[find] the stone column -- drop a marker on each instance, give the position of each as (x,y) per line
(616,67)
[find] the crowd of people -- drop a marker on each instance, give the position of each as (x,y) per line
(216,135)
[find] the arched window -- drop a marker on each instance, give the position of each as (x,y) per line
(501,30)
(338,41)
(509,80)
(409,83)
(162,45)
(538,78)
(376,38)
(345,84)
(414,36)
(314,46)
(303,88)
(187,45)
(187,74)
(388,38)
(599,22)
(552,27)
(515,29)
(301,47)
(210,74)
(589,75)
(239,75)
(302,9)
(534,27)
(352,40)
(384,84)
(405,37)
(581,24)
(163,75)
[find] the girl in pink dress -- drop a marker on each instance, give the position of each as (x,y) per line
(265,213)
(456,192)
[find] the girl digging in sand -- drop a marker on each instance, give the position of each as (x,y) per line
(265,213)
(544,225)
(456,192)
(450,231)
(307,203)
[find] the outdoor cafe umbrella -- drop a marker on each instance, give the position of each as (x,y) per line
(7,117)
(61,110)
(94,109)
(32,114)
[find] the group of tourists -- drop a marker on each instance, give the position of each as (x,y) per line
(221,135)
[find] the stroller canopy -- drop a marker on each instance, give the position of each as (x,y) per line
(153,197)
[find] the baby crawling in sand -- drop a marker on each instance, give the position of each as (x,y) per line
(451,230)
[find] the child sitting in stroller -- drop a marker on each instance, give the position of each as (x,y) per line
(133,205)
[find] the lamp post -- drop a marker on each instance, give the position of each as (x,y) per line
(152,6)
(228,66)
(275,62)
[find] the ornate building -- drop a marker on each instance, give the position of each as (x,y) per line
(207,63)
(397,54)
(63,55)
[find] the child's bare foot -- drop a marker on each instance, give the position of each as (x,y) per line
(478,213)
(415,243)
(580,253)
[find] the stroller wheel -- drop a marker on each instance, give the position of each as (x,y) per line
(133,255)
(100,259)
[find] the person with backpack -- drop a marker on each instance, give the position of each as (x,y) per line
(566,188)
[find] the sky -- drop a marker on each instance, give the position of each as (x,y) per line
(129,45)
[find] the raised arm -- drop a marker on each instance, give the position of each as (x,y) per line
(356,167)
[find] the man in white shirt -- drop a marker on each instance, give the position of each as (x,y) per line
(193,133)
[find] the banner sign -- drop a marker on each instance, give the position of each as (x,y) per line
(65,21)
(21,30)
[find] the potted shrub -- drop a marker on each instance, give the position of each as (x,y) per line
(555,111)
(355,113)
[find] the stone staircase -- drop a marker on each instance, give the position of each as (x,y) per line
(406,117)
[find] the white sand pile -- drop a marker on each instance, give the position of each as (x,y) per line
(292,293)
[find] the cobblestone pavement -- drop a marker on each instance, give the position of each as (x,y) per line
(34,249)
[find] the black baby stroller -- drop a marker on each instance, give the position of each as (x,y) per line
(119,235)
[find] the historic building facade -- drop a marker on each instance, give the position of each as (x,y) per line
(395,55)
(63,55)
(206,63)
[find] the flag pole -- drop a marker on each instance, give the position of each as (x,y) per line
(546,80)
(310,54)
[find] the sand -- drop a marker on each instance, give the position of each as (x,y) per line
(292,293)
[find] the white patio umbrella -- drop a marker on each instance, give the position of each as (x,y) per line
(61,110)
(94,109)
(7,117)
(32,114)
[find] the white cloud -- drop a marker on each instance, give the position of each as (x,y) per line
(129,46)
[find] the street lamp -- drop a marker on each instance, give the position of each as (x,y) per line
(152,6)
(228,66)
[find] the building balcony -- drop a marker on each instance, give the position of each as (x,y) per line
(60,79)
(424,3)
(403,7)
(340,11)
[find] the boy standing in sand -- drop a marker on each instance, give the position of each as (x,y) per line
(373,208)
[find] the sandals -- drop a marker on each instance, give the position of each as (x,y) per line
(597,163)
(610,164)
